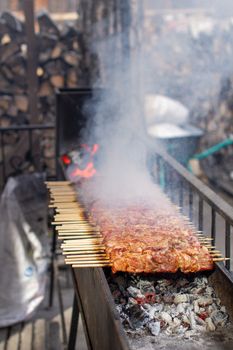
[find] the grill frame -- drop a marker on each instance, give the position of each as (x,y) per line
(92,293)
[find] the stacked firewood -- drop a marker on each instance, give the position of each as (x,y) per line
(60,64)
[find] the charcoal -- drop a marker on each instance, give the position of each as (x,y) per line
(134,292)
(154,327)
(188,318)
(209,324)
(219,318)
(137,316)
(146,286)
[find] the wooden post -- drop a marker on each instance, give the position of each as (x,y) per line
(28,6)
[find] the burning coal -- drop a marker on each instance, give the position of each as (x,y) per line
(161,308)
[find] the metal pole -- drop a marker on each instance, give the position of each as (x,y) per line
(28,6)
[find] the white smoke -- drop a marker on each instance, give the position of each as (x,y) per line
(183,56)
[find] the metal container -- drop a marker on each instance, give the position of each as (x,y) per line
(182,148)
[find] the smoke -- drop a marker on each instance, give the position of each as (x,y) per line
(182,55)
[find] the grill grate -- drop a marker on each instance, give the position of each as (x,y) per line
(83,244)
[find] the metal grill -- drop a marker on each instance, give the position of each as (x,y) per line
(195,200)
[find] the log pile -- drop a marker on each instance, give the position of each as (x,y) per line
(61,53)
(60,64)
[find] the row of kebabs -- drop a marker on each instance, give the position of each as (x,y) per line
(145,237)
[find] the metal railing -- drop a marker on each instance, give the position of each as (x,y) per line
(204,207)
(34,153)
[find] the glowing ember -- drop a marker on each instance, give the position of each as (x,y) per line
(66,160)
(80,162)
(88,172)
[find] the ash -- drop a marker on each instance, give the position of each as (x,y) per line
(154,311)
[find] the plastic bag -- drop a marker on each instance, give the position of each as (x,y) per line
(163,109)
(23,252)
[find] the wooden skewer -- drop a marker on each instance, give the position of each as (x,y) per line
(71,261)
(76,233)
(63,201)
(83,241)
(84,249)
(66,192)
(63,238)
(57,191)
(86,240)
(90,265)
(88,256)
(77,217)
(68,210)
(77,228)
(89,241)
(65,222)
(79,220)
(58,183)
(77,224)
(216,255)
(55,196)
(81,245)
(69,205)
(205,239)
(68,215)
(72,205)
(81,254)
(62,189)
(220,259)
(69,221)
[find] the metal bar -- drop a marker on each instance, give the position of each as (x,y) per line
(181,195)
(3,159)
(30,146)
(210,197)
(61,305)
(53,256)
(28,6)
(200,214)
(162,180)
(190,204)
(30,139)
(227,244)
(27,127)
(73,325)
(213,224)
(166,179)
(81,309)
